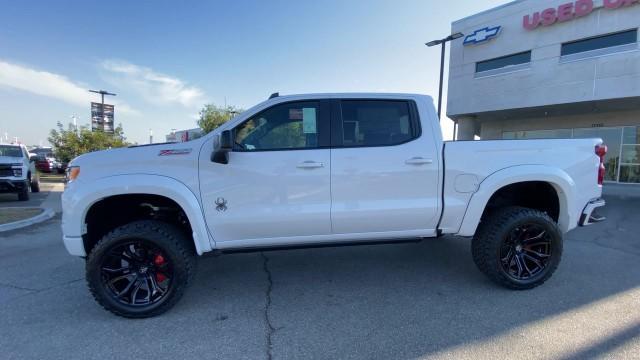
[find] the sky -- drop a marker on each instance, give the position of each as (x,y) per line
(166,59)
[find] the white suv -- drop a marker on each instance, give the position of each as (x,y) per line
(18,172)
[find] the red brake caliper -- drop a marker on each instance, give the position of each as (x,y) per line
(159,261)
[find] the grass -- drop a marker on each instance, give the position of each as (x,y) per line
(9,215)
(51,177)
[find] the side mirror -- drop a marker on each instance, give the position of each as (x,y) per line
(33,158)
(221,149)
(226,140)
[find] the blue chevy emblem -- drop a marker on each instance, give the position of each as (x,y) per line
(482,35)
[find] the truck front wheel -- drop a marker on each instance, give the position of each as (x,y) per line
(518,248)
(140,269)
(23,194)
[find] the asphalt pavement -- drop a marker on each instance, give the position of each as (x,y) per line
(424,300)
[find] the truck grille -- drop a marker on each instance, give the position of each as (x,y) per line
(5,171)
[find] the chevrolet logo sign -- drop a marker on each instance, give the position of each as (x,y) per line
(482,35)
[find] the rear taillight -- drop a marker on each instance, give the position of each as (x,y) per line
(601,151)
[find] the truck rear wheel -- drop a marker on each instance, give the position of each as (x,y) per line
(518,248)
(140,269)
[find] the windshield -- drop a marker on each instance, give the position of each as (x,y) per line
(12,151)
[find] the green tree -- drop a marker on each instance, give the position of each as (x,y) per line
(69,143)
(212,116)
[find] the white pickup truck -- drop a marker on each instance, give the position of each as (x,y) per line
(316,170)
(18,171)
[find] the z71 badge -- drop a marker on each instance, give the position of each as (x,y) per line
(170,152)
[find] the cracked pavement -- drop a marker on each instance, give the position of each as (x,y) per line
(424,300)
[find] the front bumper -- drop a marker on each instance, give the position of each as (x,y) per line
(74,245)
(12,186)
(589,216)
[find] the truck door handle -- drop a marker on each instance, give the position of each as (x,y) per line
(310,165)
(418,161)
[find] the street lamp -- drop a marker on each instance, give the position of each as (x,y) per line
(442,42)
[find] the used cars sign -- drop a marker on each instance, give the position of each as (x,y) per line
(569,11)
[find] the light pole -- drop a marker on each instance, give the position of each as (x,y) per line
(442,42)
(102,93)
(75,123)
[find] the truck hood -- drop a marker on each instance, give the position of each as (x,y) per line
(161,159)
(10,160)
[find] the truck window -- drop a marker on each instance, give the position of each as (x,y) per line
(285,126)
(376,123)
(11,151)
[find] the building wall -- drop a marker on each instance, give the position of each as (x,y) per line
(550,79)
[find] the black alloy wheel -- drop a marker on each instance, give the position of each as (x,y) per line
(525,252)
(518,248)
(141,269)
(137,273)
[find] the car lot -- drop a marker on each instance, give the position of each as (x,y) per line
(47,183)
(423,300)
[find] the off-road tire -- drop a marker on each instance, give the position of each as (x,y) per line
(166,237)
(23,195)
(35,184)
(491,234)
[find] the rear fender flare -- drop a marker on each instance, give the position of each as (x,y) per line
(560,180)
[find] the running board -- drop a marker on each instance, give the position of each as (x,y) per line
(317,246)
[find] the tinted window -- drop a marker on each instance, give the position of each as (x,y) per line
(376,123)
(600,42)
(285,126)
(502,62)
(11,151)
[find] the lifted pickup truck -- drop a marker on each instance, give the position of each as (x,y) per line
(316,170)
(17,171)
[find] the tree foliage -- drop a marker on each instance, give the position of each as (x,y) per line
(212,116)
(69,143)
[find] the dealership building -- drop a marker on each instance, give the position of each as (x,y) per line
(540,69)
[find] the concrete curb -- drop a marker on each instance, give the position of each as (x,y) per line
(44,216)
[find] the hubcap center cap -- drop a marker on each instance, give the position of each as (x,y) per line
(519,248)
(143,269)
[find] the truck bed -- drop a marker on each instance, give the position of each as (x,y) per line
(469,166)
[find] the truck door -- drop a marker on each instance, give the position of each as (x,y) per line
(277,181)
(384,169)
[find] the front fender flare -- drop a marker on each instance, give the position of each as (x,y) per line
(560,180)
(79,197)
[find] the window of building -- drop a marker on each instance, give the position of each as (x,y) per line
(505,62)
(376,123)
(537,134)
(630,158)
(600,42)
(284,126)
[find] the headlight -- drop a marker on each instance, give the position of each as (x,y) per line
(17,170)
(72,173)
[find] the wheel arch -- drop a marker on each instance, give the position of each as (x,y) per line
(81,198)
(554,178)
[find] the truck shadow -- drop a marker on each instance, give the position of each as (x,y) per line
(412,300)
